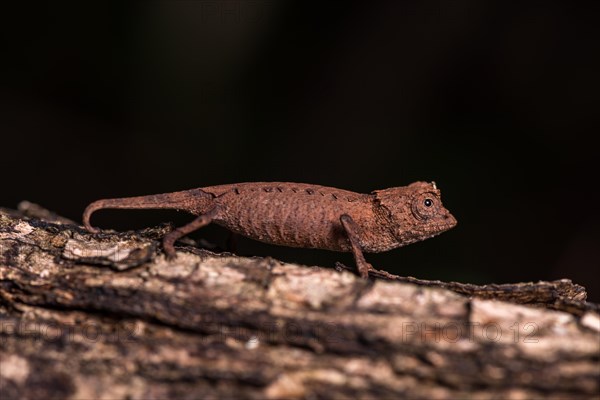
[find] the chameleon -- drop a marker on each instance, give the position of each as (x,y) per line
(303,215)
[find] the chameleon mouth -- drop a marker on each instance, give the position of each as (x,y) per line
(449,223)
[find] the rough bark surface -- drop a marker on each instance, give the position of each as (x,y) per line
(86,316)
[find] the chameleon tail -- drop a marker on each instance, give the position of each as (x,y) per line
(194,201)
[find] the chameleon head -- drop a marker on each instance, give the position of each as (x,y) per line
(416,211)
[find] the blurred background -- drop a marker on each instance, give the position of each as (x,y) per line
(495,102)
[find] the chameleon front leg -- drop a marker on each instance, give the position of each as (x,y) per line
(170,238)
(351,231)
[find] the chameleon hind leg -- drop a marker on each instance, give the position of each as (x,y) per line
(351,232)
(170,238)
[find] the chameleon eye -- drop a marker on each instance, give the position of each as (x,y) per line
(425,206)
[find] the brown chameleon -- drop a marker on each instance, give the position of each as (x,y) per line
(303,215)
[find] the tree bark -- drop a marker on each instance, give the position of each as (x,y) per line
(86,316)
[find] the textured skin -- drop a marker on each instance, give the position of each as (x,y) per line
(304,215)
(297,215)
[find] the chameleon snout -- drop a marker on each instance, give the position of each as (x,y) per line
(450,221)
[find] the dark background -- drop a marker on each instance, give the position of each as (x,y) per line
(495,102)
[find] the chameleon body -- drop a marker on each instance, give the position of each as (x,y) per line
(304,215)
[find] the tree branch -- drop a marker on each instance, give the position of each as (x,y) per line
(106,315)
